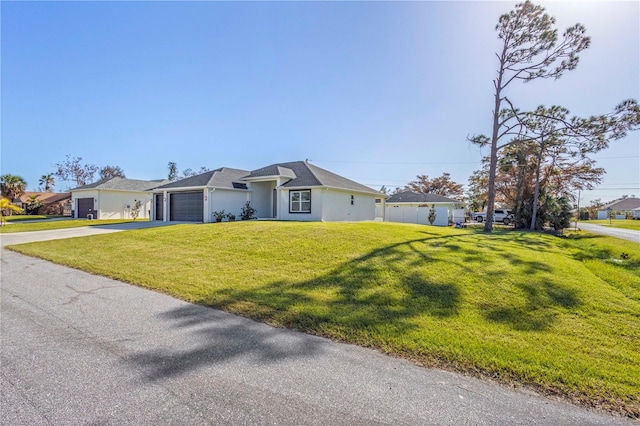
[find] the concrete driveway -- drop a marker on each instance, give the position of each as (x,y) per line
(56,234)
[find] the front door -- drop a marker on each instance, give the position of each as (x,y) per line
(159,207)
(275,203)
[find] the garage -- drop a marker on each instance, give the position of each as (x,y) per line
(186,206)
(85,208)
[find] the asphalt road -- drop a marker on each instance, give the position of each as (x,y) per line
(83,349)
(625,234)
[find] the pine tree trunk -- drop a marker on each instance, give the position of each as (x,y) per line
(536,191)
(522,173)
(493,162)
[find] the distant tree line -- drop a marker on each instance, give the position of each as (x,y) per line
(174,175)
(442,185)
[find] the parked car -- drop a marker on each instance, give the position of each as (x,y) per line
(499,215)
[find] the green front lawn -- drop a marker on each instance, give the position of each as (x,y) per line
(59,224)
(616,223)
(559,314)
(21,217)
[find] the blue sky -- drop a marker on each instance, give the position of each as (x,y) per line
(378,92)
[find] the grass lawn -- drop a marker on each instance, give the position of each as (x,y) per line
(21,217)
(560,314)
(616,223)
(59,224)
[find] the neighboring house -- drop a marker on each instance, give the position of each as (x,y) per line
(619,208)
(412,207)
(53,203)
(113,198)
(284,191)
(635,213)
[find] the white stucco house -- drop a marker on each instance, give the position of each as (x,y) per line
(412,207)
(113,198)
(620,208)
(284,191)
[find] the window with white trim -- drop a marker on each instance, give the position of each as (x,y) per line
(300,201)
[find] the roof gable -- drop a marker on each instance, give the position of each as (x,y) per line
(290,171)
(304,174)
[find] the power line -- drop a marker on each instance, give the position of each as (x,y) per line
(394,162)
(613,158)
(626,183)
(401,163)
(610,189)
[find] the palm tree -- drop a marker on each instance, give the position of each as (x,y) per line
(12,186)
(48,182)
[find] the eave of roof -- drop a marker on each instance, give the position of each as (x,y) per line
(122,184)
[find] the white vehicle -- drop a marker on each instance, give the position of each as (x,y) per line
(499,215)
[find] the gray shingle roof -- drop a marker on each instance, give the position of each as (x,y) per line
(625,205)
(414,197)
(223,177)
(123,184)
(300,173)
(303,174)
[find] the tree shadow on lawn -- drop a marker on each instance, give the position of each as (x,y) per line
(386,286)
(540,309)
(209,337)
(528,266)
(390,287)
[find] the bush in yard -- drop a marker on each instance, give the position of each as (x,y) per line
(559,214)
(432,214)
(135,211)
(248,212)
(552,211)
(33,204)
